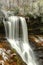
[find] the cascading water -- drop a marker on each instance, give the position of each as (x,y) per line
(17,36)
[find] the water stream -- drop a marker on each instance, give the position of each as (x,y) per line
(17,36)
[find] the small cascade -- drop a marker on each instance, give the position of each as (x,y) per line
(17,36)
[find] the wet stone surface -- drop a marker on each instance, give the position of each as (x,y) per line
(38,51)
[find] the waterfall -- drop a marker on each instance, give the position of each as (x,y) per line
(17,36)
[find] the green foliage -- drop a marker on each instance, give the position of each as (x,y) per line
(26,9)
(16,10)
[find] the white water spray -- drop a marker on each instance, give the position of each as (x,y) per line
(17,36)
